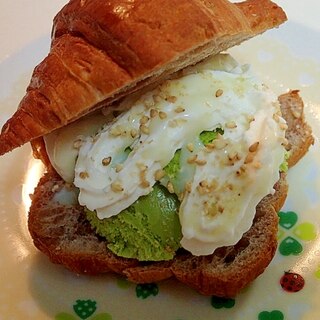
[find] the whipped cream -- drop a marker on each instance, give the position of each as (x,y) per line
(223,181)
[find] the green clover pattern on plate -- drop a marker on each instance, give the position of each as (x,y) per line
(84,309)
(292,234)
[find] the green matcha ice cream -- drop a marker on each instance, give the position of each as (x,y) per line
(148,230)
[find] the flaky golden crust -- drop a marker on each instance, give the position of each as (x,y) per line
(103,50)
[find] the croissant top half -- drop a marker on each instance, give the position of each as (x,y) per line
(103,50)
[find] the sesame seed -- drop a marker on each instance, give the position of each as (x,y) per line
(201,162)
(159,174)
(173,123)
(162,115)
(106,161)
(229,186)
(116,131)
(119,167)
(145,184)
(84,174)
(170,187)
(233,156)
(213,184)
(133,133)
(153,113)
(205,187)
(141,166)
(257,165)
(211,210)
(156,98)
(192,159)
(241,171)
(171,99)
(144,120)
(249,158)
(77,144)
(219,93)
(95,138)
(207,149)
(210,146)
(188,187)
(283,126)
(203,183)
(220,143)
(276,117)
(254,147)
(231,125)
(190,147)
(148,104)
(144,129)
(116,187)
(181,196)
(181,122)
(202,190)
(250,118)
(143,170)
(179,109)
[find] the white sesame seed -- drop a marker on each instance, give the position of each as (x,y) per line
(201,162)
(192,159)
(257,165)
(283,126)
(159,174)
(231,125)
(116,186)
(145,184)
(171,99)
(106,161)
(254,147)
(188,187)
(119,167)
(249,158)
(179,109)
(219,93)
(190,147)
(144,129)
(170,187)
(77,144)
(133,133)
(162,115)
(276,117)
(84,175)
(144,119)
(153,113)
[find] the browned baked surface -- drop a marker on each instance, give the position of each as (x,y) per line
(300,136)
(102,50)
(63,234)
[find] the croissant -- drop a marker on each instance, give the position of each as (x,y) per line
(103,50)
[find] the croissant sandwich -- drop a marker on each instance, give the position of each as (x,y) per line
(164,156)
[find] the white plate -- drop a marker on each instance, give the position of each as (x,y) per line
(33,288)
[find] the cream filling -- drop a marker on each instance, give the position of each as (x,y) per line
(225,180)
